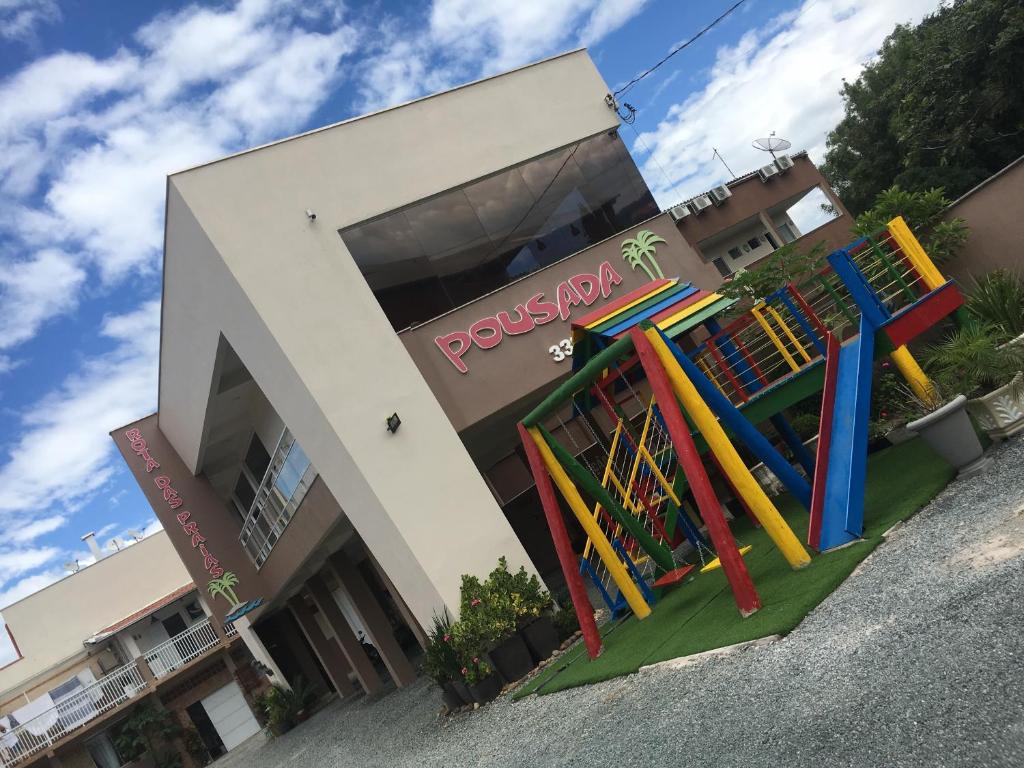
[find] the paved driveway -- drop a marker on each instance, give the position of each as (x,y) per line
(916,660)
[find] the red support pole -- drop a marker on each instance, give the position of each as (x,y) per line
(689,459)
(806,309)
(828,402)
(750,359)
(724,368)
(560,537)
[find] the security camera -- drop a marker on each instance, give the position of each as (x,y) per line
(310,215)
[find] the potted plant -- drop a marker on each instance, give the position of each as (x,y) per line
(490,610)
(483,684)
(943,423)
(988,368)
(534,614)
(441,663)
(300,700)
(276,705)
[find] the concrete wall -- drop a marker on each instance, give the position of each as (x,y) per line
(993,211)
(521,366)
(242,259)
(50,625)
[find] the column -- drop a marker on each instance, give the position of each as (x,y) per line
(767,222)
(350,646)
(403,608)
(259,651)
(328,652)
(373,618)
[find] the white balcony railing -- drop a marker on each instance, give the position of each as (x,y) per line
(69,714)
(112,690)
(181,649)
(282,489)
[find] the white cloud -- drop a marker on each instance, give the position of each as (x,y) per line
(33,291)
(784,77)
(20,18)
(15,563)
(35,529)
(64,451)
(467,39)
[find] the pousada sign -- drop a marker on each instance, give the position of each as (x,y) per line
(488,332)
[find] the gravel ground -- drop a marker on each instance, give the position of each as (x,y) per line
(915,660)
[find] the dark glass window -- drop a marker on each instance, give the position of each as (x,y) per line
(443,252)
(771,240)
(257,459)
(723,270)
(735,252)
(754,242)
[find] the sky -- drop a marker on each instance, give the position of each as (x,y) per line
(100,100)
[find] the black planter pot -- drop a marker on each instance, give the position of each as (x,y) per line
(486,690)
(451,697)
(541,638)
(512,659)
(463,690)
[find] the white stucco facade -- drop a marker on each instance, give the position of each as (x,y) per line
(243,261)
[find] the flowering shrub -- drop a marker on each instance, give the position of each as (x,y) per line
(441,660)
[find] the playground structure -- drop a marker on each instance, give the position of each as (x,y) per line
(658,418)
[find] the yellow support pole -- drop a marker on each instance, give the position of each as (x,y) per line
(604,479)
(707,372)
(744,483)
(789,333)
(914,375)
(756,312)
(604,548)
(912,249)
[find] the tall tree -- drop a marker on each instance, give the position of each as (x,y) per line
(941,106)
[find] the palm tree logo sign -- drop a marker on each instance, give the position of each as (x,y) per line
(639,252)
(223,586)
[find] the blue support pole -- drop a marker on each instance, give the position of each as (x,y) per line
(737,423)
(794,443)
(729,351)
(802,321)
(860,289)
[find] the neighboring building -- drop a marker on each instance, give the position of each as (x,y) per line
(129,628)
(735,225)
(353,321)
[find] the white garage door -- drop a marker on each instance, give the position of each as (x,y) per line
(230,715)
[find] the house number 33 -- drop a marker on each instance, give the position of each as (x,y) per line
(561,350)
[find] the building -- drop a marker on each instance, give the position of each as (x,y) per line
(130,628)
(735,225)
(354,319)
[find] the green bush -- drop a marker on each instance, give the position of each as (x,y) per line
(148,730)
(441,660)
(998,300)
(974,359)
(923,212)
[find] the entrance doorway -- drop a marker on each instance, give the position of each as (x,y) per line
(207,733)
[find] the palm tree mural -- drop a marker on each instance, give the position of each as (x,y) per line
(639,252)
(223,586)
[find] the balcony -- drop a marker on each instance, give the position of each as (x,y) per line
(111,692)
(282,489)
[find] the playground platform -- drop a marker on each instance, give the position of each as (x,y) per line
(699,614)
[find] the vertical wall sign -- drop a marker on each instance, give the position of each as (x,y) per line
(222,582)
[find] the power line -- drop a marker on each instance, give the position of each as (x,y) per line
(677,49)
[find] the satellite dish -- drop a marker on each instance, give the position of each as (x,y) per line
(772,144)
(72,566)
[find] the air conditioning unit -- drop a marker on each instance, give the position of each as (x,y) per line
(720,194)
(679,212)
(784,162)
(699,203)
(766,172)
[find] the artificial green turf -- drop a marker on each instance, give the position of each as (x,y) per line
(700,614)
